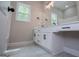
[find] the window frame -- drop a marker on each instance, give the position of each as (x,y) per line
(29,19)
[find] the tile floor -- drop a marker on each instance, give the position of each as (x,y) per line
(33,51)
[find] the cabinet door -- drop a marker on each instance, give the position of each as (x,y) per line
(38,38)
(52,42)
(47,40)
(4,25)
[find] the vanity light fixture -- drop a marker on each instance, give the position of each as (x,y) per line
(50,4)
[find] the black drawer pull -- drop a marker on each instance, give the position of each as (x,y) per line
(65,27)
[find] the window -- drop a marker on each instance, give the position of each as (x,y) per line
(23,12)
(53,19)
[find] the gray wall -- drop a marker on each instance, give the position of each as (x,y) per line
(67,15)
(70,12)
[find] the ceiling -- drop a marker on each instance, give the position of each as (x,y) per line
(63,4)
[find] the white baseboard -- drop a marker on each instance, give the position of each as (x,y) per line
(20,44)
(71,51)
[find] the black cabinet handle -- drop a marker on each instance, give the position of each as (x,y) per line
(65,27)
(44,36)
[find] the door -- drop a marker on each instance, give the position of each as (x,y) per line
(47,40)
(4,25)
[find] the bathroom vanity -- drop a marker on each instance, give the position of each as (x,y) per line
(49,40)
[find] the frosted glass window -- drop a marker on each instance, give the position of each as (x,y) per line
(23,12)
(53,19)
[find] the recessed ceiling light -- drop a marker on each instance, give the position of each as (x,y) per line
(66,6)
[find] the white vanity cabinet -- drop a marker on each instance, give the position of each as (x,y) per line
(52,42)
(48,40)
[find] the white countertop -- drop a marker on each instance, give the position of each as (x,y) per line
(73,26)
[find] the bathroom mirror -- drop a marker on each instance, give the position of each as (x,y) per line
(64,12)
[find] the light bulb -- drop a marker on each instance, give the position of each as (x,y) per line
(50,5)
